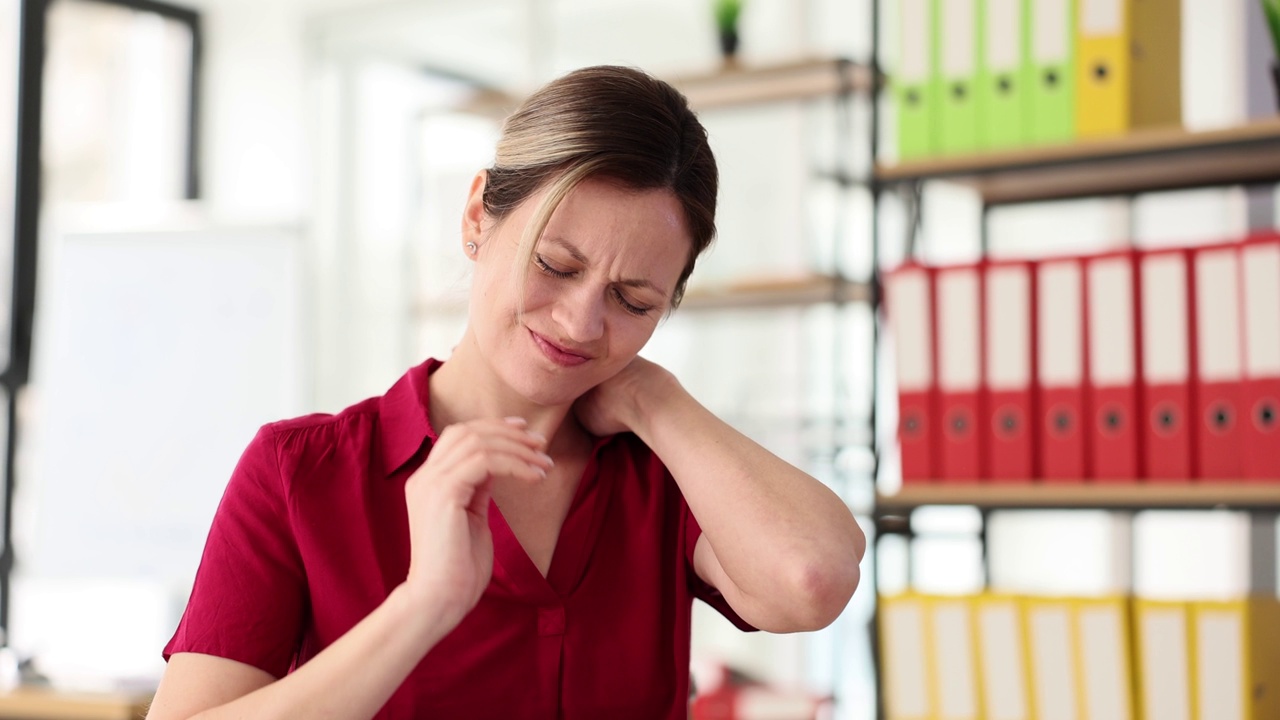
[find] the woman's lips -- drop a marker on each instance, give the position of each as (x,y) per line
(557,354)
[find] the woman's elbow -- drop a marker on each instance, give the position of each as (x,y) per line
(821,592)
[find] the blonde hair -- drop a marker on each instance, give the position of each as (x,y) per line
(607,122)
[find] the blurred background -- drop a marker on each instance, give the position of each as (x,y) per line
(234,211)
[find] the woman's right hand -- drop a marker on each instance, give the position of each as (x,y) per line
(448,503)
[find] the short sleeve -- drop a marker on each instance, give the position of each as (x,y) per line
(703,590)
(249,597)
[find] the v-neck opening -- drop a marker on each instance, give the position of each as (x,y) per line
(574,541)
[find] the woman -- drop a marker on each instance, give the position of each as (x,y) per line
(519,532)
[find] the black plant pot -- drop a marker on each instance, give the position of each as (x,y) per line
(1275,81)
(729,44)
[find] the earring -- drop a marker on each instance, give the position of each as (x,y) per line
(472,248)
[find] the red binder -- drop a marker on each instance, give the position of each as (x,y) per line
(1217,363)
(1260,401)
(1060,369)
(958,329)
(1111,301)
(1165,312)
(1006,428)
(909,308)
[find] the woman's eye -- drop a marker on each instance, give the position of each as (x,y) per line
(628,306)
(542,264)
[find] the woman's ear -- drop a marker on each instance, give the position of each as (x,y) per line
(473,213)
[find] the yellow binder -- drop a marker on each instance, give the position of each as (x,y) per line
(1053,650)
(954,655)
(1163,651)
(905,657)
(1102,629)
(1102,68)
(1002,657)
(1236,666)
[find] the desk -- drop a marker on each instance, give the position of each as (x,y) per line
(46,704)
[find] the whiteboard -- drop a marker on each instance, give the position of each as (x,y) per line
(157,355)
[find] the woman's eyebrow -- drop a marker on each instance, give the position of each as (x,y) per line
(577,255)
(568,247)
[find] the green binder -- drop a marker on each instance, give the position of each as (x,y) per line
(956,73)
(1053,47)
(1004,74)
(912,84)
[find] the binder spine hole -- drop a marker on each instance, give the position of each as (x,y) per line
(1220,419)
(1060,422)
(1166,420)
(1112,421)
(911,425)
(1265,415)
(1007,423)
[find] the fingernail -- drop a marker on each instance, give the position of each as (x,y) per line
(514,420)
(547,458)
(537,436)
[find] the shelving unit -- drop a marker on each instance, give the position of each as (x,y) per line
(1141,162)
(777,292)
(737,85)
(1236,495)
(1145,161)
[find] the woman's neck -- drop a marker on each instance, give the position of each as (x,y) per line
(466,388)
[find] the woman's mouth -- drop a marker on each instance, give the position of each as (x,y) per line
(557,354)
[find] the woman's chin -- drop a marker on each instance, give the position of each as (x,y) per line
(539,391)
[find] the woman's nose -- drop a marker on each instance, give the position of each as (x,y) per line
(580,313)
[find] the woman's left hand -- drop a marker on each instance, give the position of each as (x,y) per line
(613,406)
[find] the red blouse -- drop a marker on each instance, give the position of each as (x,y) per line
(312,535)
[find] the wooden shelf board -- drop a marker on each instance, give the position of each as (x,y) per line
(799,80)
(1234,494)
(735,85)
(1143,161)
(776,292)
(48,704)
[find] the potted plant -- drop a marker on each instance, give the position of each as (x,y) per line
(1271,8)
(727,14)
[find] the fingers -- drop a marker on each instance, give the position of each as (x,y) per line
(466,454)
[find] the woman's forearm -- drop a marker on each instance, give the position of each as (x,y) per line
(356,675)
(784,539)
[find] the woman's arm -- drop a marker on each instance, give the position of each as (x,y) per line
(451,560)
(778,544)
(352,678)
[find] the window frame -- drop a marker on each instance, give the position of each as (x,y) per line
(32,40)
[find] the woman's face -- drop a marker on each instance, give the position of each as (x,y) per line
(601,277)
